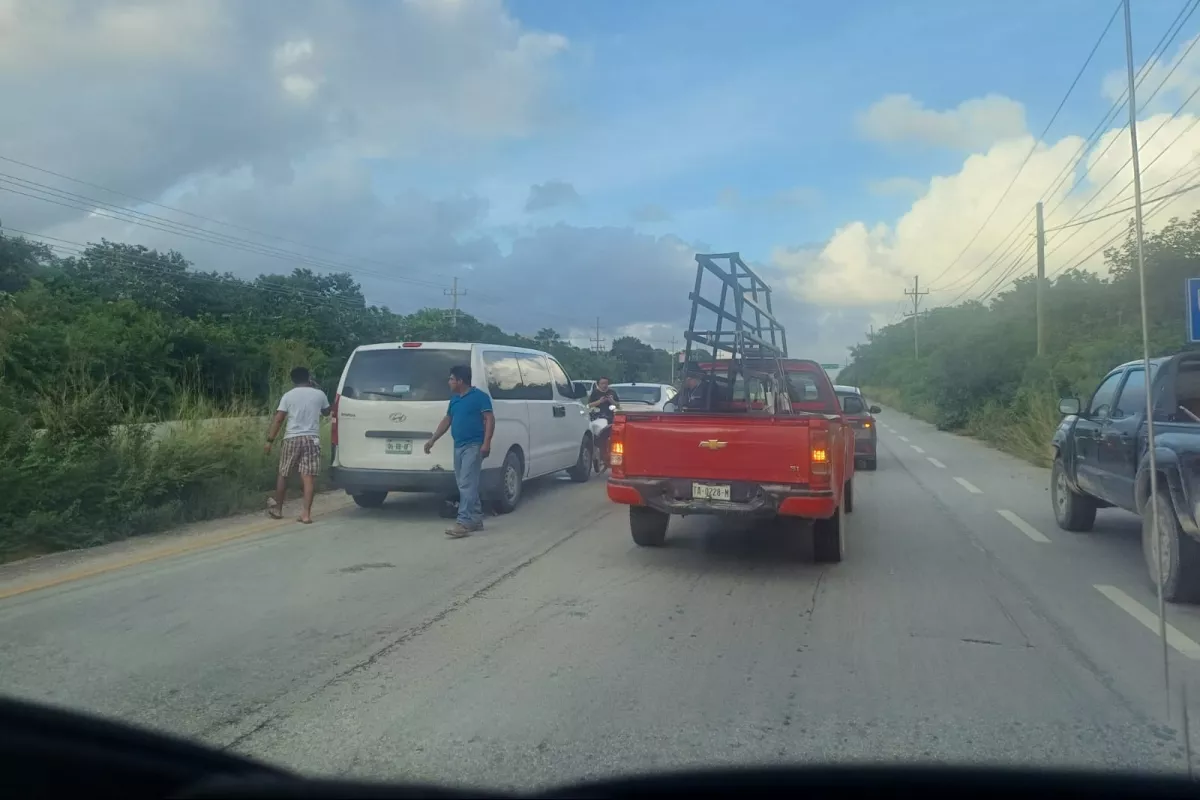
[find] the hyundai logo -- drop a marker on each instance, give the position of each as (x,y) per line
(397,417)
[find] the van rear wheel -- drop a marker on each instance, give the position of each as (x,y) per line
(370,499)
(583,465)
(512,475)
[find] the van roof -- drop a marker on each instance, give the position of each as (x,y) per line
(445,346)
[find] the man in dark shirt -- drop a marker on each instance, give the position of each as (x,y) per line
(602,397)
(697,390)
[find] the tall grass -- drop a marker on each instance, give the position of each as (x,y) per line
(1023,427)
(92,470)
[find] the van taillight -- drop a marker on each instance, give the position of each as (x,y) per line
(333,437)
(818,440)
(616,450)
(410,344)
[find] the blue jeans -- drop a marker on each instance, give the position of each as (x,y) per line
(468,461)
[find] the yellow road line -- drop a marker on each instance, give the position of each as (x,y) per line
(146,558)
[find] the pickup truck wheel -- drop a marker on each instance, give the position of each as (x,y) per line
(1072,511)
(828,539)
(511,484)
(649,527)
(1179,562)
(869,464)
(583,465)
(370,499)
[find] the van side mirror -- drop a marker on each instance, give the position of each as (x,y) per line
(1068,405)
(876,409)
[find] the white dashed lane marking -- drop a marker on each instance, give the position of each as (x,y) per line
(904,438)
(914,447)
(935,462)
(970,487)
(1023,526)
(1175,637)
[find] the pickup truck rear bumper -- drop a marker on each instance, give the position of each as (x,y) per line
(674,496)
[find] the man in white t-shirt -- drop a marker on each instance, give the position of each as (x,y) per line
(302,407)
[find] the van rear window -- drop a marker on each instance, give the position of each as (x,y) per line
(402,374)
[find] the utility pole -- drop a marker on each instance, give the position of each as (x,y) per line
(453,293)
(673,360)
(1041,278)
(916,294)
(598,342)
(1139,230)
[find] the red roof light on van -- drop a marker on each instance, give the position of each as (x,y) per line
(411,344)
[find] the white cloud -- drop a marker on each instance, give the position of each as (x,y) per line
(896,186)
(141,95)
(976,123)
(869,264)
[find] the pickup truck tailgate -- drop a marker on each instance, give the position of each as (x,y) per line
(718,447)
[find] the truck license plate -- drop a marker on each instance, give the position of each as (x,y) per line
(399,447)
(708,491)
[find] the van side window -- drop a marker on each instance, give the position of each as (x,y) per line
(503,375)
(561,381)
(535,377)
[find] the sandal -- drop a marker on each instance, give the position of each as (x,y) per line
(272,509)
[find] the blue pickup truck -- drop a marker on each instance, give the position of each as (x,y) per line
(1101,460)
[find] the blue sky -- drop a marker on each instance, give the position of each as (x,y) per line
(404,140)
(768,92)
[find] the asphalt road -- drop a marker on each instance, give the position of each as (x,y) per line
(963,626)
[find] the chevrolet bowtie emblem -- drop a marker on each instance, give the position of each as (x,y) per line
(713,444)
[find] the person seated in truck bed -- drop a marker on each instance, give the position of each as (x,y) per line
(698,391)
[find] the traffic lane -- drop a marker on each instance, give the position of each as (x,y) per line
(1094,585)
(201,644)
(1112,549)
(728,646)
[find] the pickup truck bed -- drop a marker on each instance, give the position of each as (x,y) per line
(795,467)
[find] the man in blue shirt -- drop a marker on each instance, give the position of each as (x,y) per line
(470,421)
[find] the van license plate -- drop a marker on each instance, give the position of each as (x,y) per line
(708,491)
(399,447)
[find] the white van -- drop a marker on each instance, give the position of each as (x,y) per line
(392,396)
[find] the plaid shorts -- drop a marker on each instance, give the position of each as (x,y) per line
(302,453)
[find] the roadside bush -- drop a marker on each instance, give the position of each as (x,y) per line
(979,372)
(98,474)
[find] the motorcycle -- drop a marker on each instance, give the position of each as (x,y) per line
(600,430)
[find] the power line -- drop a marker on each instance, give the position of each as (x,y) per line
(1034,147)
(1093,138)
(1167,39)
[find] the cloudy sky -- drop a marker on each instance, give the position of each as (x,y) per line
(566,160)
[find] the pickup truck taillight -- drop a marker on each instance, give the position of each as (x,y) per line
(818,439)
(333,438)
(616,450)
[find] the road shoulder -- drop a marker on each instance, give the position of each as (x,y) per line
(55,569)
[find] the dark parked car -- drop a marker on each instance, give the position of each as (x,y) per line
(1101,459)
(861,417)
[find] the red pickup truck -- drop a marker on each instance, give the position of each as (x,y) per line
(752,455)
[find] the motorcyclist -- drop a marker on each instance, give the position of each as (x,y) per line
(602,398)
(601,402)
